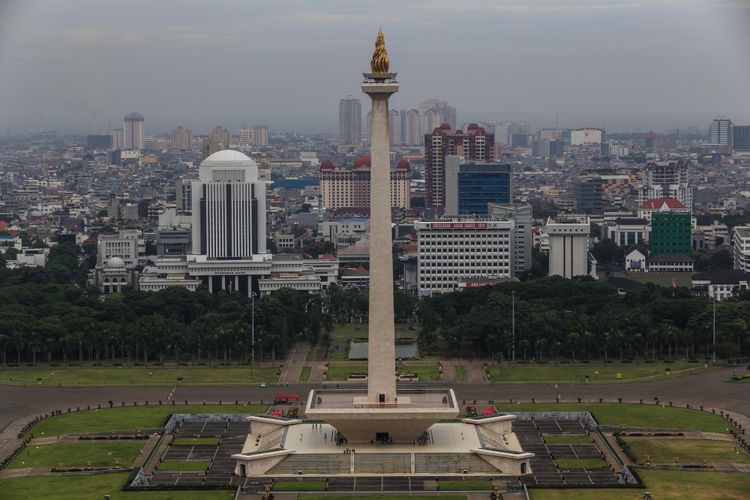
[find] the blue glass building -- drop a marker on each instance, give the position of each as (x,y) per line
(483,183)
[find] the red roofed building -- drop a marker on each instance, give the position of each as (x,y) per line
(648,207)
(349,187)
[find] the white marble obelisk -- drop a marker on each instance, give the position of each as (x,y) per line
(381,356)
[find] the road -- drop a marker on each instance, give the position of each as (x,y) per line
(18,404)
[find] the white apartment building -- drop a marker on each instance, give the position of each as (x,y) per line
(568,245)
(741,248)
(450,251)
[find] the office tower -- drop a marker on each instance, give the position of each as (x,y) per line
(413,135)
(118,139)
(133,134)
(568,245)
(123,246)
(471,185)
(441,112)
(99,141)
(350,120)
(523,220)
(474,144)
(349,187)
(667,179)
(671,233)
(394,127)
(402,126)
(228,223)
(182,138)
(721,132)
(741,248)
(431,120)
(587,136)
(261,135)
(741,137)
(221,136)
(476,249)
(247,136)
(588,191)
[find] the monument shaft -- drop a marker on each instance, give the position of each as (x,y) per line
(381,363)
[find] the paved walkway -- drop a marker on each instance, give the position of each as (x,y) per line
(294,363)
(474,370)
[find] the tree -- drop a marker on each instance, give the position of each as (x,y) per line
(606,251)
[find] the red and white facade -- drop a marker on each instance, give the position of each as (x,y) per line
(349,187)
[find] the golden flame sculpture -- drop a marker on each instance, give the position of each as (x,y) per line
(380,62)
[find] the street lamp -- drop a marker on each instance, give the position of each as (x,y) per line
(714,334)
(513,325)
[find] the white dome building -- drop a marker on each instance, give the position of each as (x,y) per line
(228,166)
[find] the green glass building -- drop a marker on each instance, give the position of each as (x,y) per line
(671,233)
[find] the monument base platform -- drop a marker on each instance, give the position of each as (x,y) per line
(404,421)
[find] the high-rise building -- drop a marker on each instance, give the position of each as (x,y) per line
(741,137)
(261,135)
(99,141)
(667,179)
(221,136)
(588,192)
(471,185)
(247,136)
(229,224)
(350,120)
(741,248)
(413,135)
(451,250)
(671,233)
(394,127)
(133,133)
(523,221)
(568,245)
(182,138)
(440,112)
(721,132)
(349,187)
(474,144)
(118,139)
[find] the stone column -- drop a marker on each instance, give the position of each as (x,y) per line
(381,356)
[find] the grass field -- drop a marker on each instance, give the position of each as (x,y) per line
(689,451)
(187,441)
(461,374)
(597,372)
(567,439)
(94,487)
(664,485)
(105,376)
(79,453)
(179,465)
(634,415)
(304,376)
(468,485)
(427,372)
(380,497)
(128,418)
(581,463)
(299,486)
(340,371)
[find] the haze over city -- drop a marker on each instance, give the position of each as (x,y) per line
(80,65)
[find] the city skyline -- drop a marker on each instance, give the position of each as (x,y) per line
(625,65)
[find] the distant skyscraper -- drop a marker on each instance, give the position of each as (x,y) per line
(474,144)
(394,127)
(588,192)
(470,186)
(261,135)
(221,136)
(350,120)
(133,134)
(118,139)
(247,136)
(667,179)
(182,138)
(741,137)
(445,113)
(349,187)
(413,135)
(721,132)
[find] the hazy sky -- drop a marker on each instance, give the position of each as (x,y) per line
(79,65)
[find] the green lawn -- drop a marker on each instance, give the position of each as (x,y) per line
(689,451)
(178,465)
(427,372)
(581,463)
(338,355)
(567,439)
(461,374)
(664,485)
(299,486)
(188,441)
(468,485)
(597,372)
(94,487)
(385,496)
(79,454)
(305,375)
(104,376)
(342,370)
(128,418)
(634,415)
